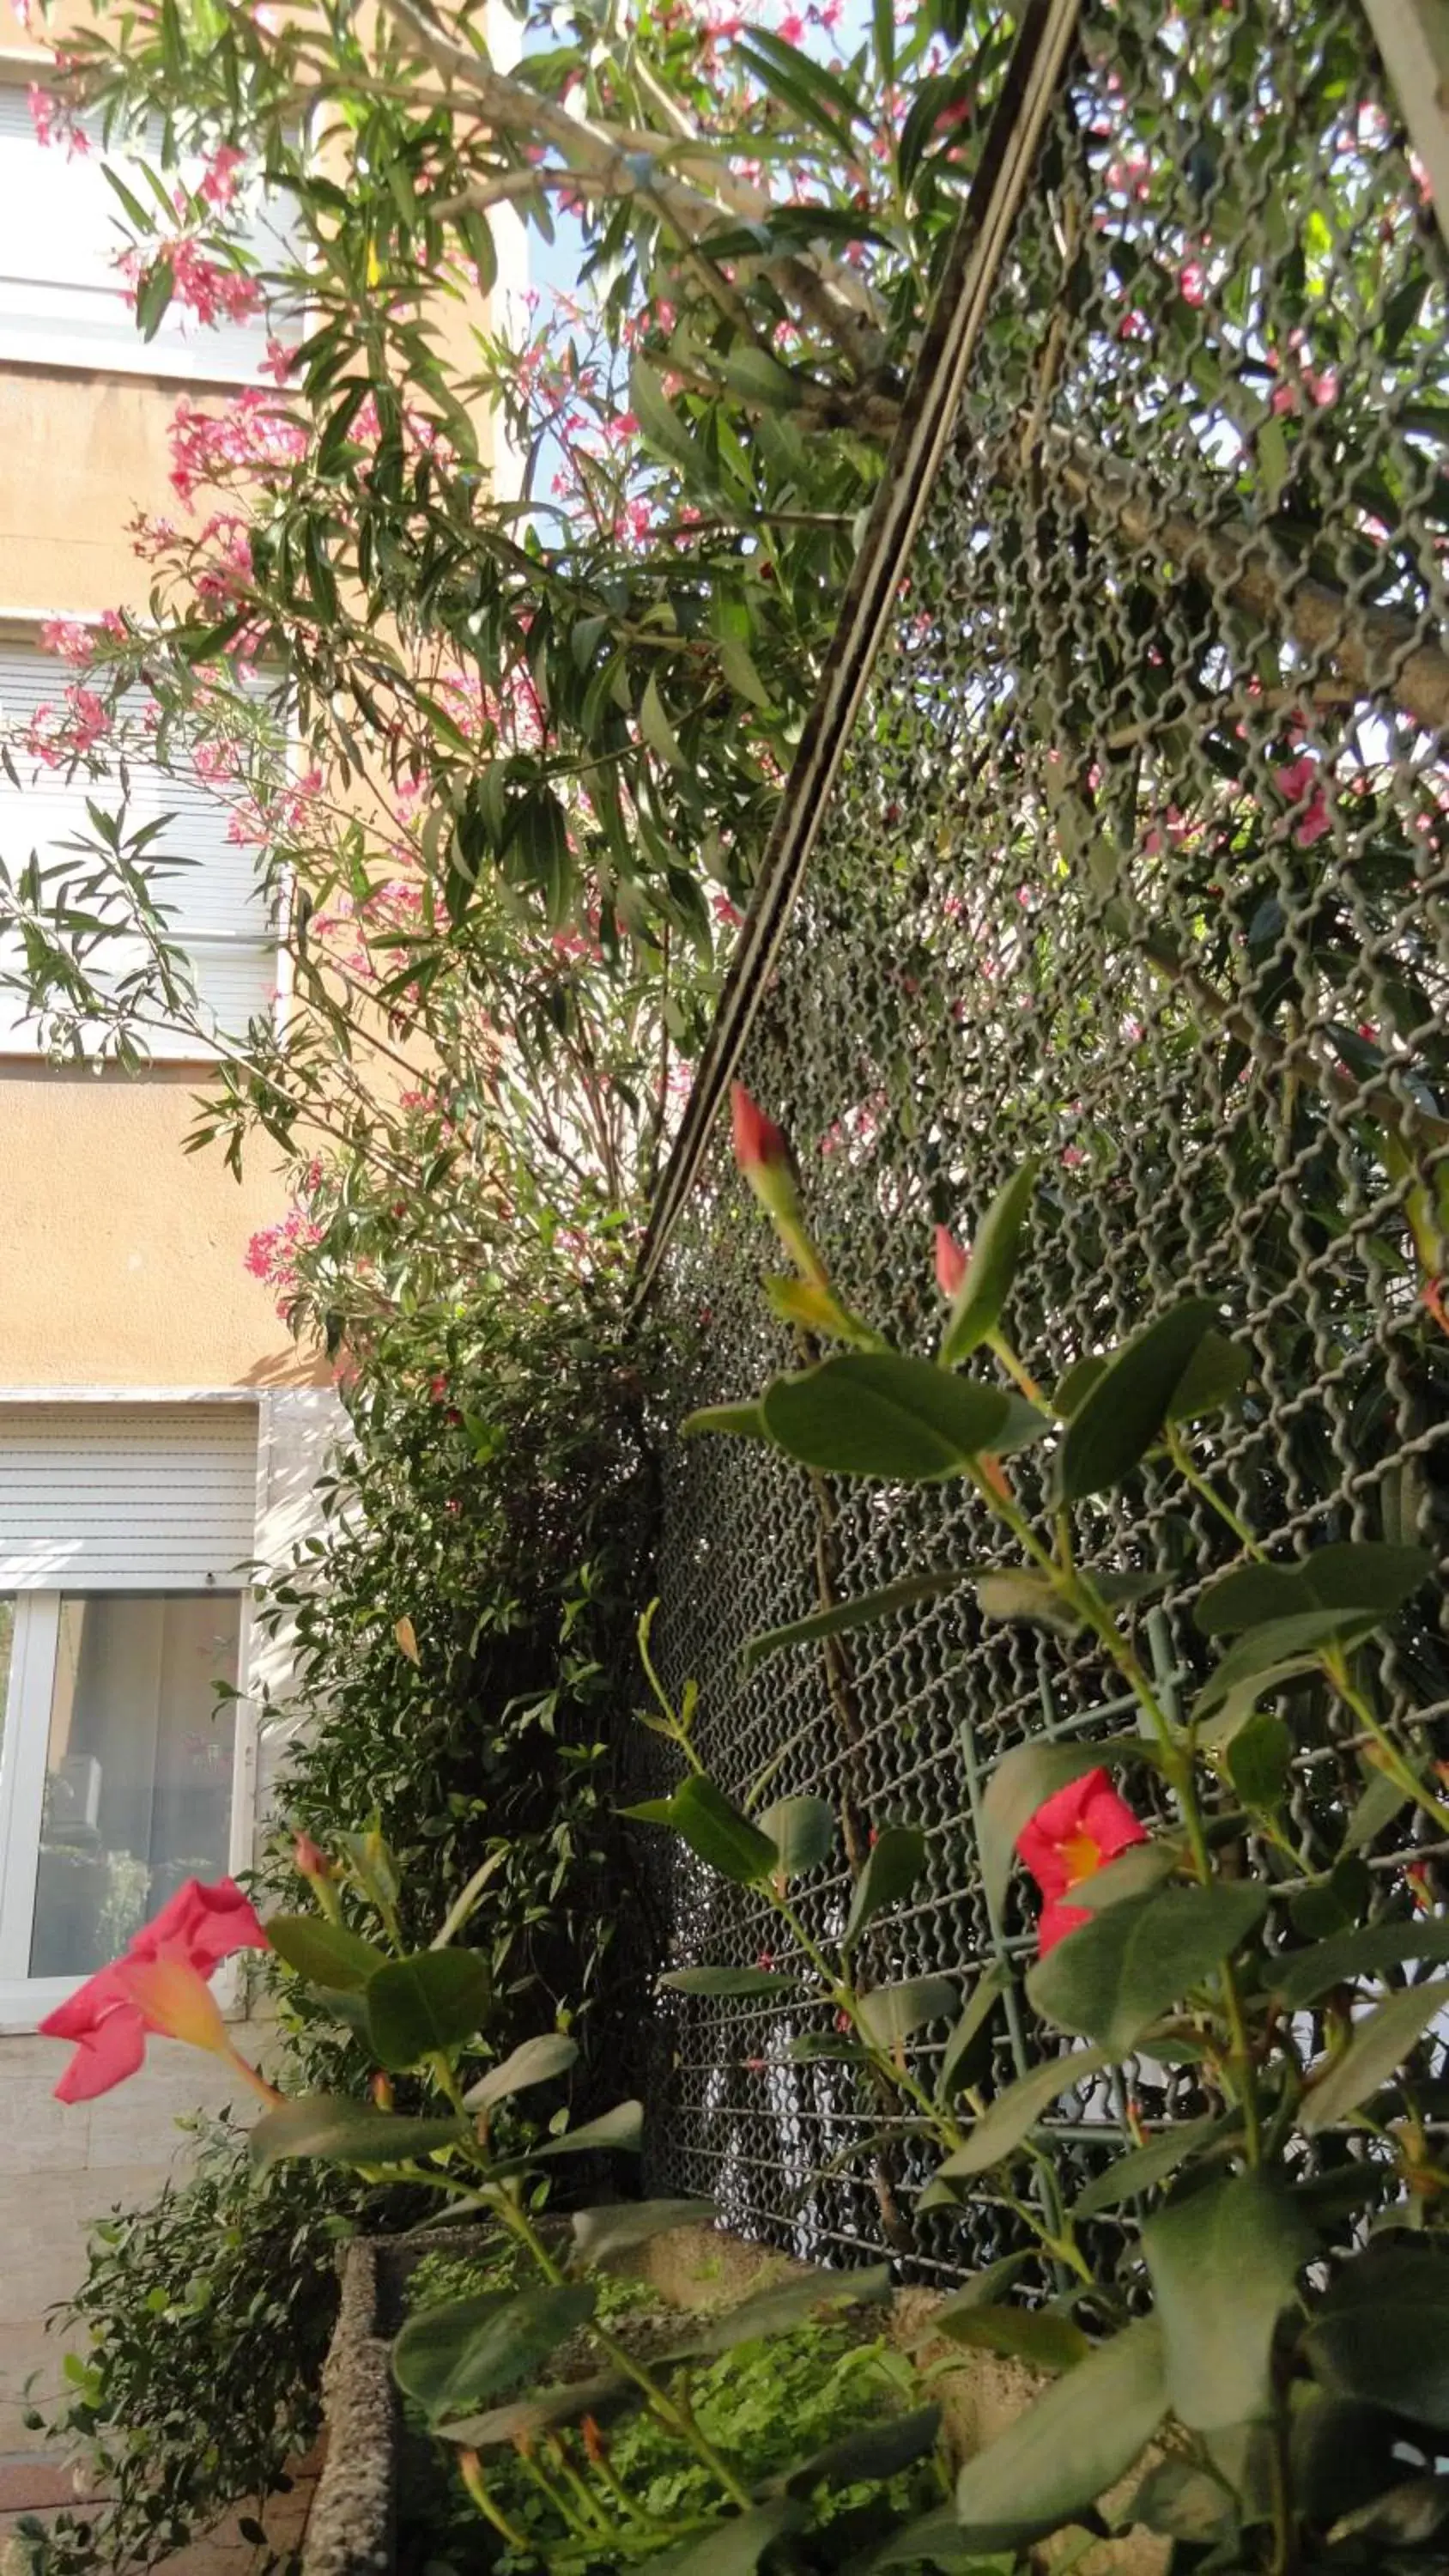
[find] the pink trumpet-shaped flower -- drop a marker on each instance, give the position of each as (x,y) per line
(1072,1835)
(159,1985)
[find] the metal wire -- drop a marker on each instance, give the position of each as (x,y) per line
(1136,861)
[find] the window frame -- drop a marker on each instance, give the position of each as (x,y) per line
(24,1740)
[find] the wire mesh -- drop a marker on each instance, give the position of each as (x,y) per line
(1137,863)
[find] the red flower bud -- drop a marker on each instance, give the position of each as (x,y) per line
(950,1263)
(593,2439)
(309,1860)
(759,1144)
(382,2091)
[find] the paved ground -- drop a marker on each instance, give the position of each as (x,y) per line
(34,2482)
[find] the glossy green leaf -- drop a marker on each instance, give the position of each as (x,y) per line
(722,1838)
(1012,2116)
(981,2003)
(1080,2437)
(432,2002)
(1023,1780)
(889,2015)
(154,297)
(986,2288)
(779,2310)
(1076,1384)
(1405,2516)
(537,2061)
(1215,1373)
(659,420)
(327,1954)
(1135,1872)
(1356,1575)
(932,2540)
(1224,2262)
(1037,2336)
(1259,1760)
(843,1616)
(1299,1977)
(897,1858)
(656,728)
(1381,1800)
(621,2129)
(867,2451)
(1122,1415)
(1016,1593)
(882,1414)
(600,2235)
(754,1982)
(1272,1653)
(990,1269)
(347,2133)
(741,1421)
(449,2358)
(823,2047)
(1382,2332)
(802,1831)
(373,1866)
(733,2548)
(541,2410)
(1378,2048)
(1111,1979)
(1128,2176)
(1183,2503)
(818,1310)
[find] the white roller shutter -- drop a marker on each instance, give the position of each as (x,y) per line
(61,298)
(218,915)
(109,1497)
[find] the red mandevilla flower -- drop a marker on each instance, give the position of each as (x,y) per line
(951,1262)
(159,1985)
(759,1144)
(1072,1835)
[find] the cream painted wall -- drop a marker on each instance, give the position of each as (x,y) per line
(79,457)
(121,1256)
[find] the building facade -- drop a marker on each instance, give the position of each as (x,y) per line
(158,1428)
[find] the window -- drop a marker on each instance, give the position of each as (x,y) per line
(218,914)
(122,1608)
(62,301)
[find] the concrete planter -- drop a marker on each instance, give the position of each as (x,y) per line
(352,2528)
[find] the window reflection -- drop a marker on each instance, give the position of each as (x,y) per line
(138,1767)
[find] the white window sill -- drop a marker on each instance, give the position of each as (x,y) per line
(96,357)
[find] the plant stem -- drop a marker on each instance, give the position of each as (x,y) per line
(471,2467)
(1333,1663)
(677,2418)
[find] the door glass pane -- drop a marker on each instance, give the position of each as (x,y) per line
(138,1768)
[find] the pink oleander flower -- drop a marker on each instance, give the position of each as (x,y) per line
(951,1263)
(68,637)
(1073,1834)
(219,185)
(160,1985)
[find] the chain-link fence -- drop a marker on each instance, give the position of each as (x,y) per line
(1136,861)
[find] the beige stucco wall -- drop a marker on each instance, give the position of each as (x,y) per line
(121,1256)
